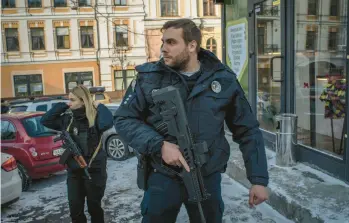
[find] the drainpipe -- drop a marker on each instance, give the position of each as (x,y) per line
(223,33)
(98,45)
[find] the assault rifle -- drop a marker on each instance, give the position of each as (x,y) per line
(174,115)
(71,149)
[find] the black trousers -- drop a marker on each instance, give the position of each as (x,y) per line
(165,196)
(80,188)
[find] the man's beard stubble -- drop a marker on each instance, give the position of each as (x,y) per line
(181,61)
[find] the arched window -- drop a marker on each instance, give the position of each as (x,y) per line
(211,45)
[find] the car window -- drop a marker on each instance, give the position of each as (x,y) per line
(18,108)
(8,131)
(99,97)
(34,128)
(41,108)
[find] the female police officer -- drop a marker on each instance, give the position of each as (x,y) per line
(86,125)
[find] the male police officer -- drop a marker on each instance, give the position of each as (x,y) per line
(211,95)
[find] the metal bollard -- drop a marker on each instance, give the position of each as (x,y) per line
(286,139)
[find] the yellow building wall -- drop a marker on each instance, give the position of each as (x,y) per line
(52,75)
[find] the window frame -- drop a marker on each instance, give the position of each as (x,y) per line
(116,78)
(7,45)
(28,82)
(124,31)
(8,5)
(169,4)
(32,40)
(81,36)
(64,47)
(34,2)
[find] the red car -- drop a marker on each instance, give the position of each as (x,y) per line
(31,144)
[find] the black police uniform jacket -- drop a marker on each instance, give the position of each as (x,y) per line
(87,138)
(139,123)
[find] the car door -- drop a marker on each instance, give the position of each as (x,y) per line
(8,137)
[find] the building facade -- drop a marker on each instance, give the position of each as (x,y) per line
(205,13)
(50,46)
(291,56)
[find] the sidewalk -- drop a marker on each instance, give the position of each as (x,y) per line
(300,193)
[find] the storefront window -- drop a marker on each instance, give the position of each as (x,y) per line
(236,13)
(28,85)
(320,74)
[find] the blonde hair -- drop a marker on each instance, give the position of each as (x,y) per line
(83,94)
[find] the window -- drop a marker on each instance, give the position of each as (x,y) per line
(8,4)
(60,3)
(311,40)
(119,2)
(87,40)
(76,78)
(12,43)
(28,85)
(320,82)
(99,97)
(34,3)
(119,80)
(63,40)
(8,131)
(211,45)
(38,39)
(121,35)
(209,8)
(41,108)
(169,7)
(84,3)
(34,128)
(18,108)
(334,8)
(332,40)
(312,7)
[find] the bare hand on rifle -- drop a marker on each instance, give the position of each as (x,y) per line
(173,156)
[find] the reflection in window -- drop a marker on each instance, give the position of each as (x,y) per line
(63,40)
(320,79)
(12,43)
(28,85)
(119,80)
(311,40)
(169,7)
(87,37)
(211,45)
(8,131)
(334,8)
(38,39)
(332,40)
(312,7)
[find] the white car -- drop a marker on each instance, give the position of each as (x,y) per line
(35,105)
(116,148)
(11,182)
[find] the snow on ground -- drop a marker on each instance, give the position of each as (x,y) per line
(46,201)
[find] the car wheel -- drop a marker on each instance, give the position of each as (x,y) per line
(26,179)
(117,149)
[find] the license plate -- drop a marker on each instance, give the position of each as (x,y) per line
(58,152)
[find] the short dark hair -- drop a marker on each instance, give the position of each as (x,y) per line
(190,30)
